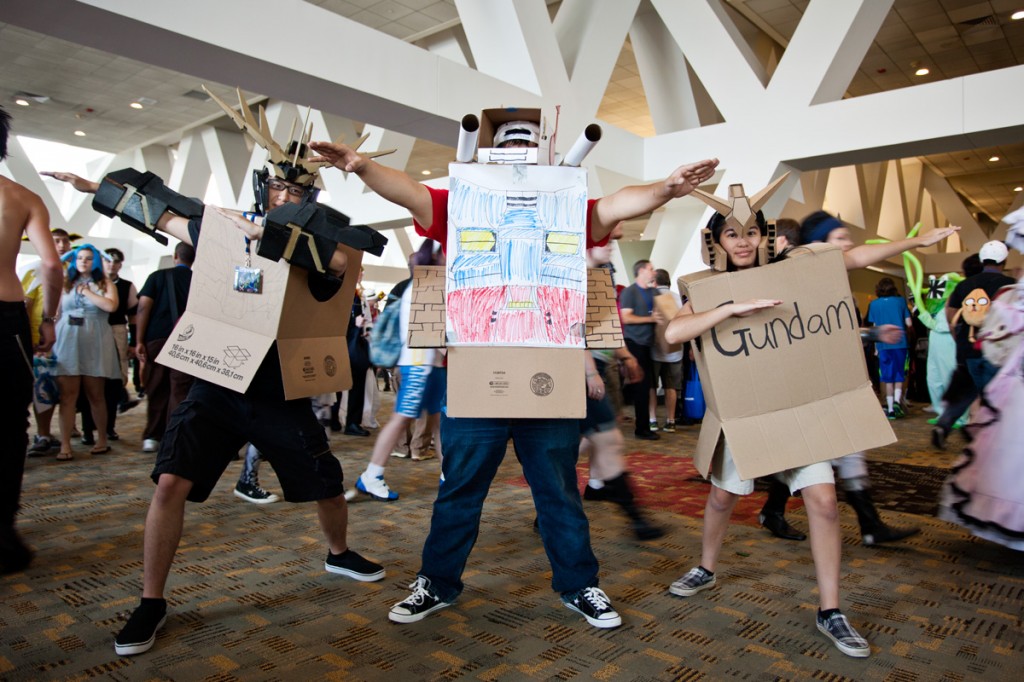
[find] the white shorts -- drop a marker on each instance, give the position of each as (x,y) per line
(725,476)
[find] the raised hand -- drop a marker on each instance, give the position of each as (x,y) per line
(339,155)
(685,179)
(79,183)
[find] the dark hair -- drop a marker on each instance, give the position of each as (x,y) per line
(662,278)
(115,253)
(817,226)
(972,265)
(788,228)
(717,225)
(886,287)
(185,253)
(5,127)
(60,232)
(638,266)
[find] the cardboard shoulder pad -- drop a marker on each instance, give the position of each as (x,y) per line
(140,199)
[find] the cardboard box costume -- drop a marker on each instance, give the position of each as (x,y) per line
(515,308)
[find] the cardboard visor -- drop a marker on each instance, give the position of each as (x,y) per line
(786,386)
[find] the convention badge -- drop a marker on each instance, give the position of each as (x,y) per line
(75,321)
(248,280)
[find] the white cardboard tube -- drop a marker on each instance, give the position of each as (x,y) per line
(468,134)
(590,137)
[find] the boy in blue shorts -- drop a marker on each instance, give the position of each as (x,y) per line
(422,380)
(891,308)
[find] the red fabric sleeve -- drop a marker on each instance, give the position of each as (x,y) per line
(438,230)
(590,210)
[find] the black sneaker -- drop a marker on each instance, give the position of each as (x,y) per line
(139,633)
(87,438)
(418,605)
(351,564)
(836,627)
(693,582)
(938,438)
(593,604)
(254,493)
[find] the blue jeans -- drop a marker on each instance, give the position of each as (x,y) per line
(547,449)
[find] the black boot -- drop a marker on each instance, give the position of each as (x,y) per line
(619,491)
(773,513)
(872,529)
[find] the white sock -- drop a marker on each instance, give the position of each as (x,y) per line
(596,483)
(898,393)
(888,401)
(373,471)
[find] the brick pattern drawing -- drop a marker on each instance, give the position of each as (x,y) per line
(427,310)
(604,330)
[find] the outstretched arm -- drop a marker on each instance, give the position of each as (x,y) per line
(393,185)
(869,254)
(635,200)
(174,225)
(688,325)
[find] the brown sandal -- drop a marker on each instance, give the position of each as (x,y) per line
(65,456)
(100,451)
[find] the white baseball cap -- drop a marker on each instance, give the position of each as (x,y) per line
(993,251)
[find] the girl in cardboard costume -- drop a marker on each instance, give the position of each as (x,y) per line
(736,239)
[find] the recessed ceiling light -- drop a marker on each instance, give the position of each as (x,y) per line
(136,105)
(425,172)
(1019,14)
(922,72)
(21,102)
(80,133)
(993,158)
(1018,188)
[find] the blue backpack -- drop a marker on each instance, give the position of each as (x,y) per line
(386,335)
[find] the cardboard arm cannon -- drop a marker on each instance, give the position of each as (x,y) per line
(307,235)
(140,199)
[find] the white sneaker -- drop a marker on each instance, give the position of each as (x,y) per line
(376,488)
(150,445)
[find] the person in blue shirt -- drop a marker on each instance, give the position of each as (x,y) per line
(891,308)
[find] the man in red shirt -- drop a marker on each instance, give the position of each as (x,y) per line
(474,448)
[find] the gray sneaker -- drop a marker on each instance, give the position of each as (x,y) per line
(693,582)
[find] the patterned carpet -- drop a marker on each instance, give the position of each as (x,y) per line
(250,599)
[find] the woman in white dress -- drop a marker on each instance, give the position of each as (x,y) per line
(85,349)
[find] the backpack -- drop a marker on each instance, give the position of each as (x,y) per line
(386,335)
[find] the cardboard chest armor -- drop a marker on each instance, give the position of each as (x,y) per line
(515,305)
(787,386)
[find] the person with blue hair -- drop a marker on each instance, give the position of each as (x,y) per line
(85,349)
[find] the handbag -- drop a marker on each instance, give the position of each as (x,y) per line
(693,397)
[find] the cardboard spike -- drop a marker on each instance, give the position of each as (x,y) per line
(359,141)
(291,131)
(762,197)
(246,123)
(713,201)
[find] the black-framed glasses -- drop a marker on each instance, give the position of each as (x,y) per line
(294,190)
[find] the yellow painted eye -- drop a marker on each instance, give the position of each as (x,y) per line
(476,240)
(563,243)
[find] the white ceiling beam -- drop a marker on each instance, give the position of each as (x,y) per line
(827,49)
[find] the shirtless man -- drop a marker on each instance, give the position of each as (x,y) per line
(21,212)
